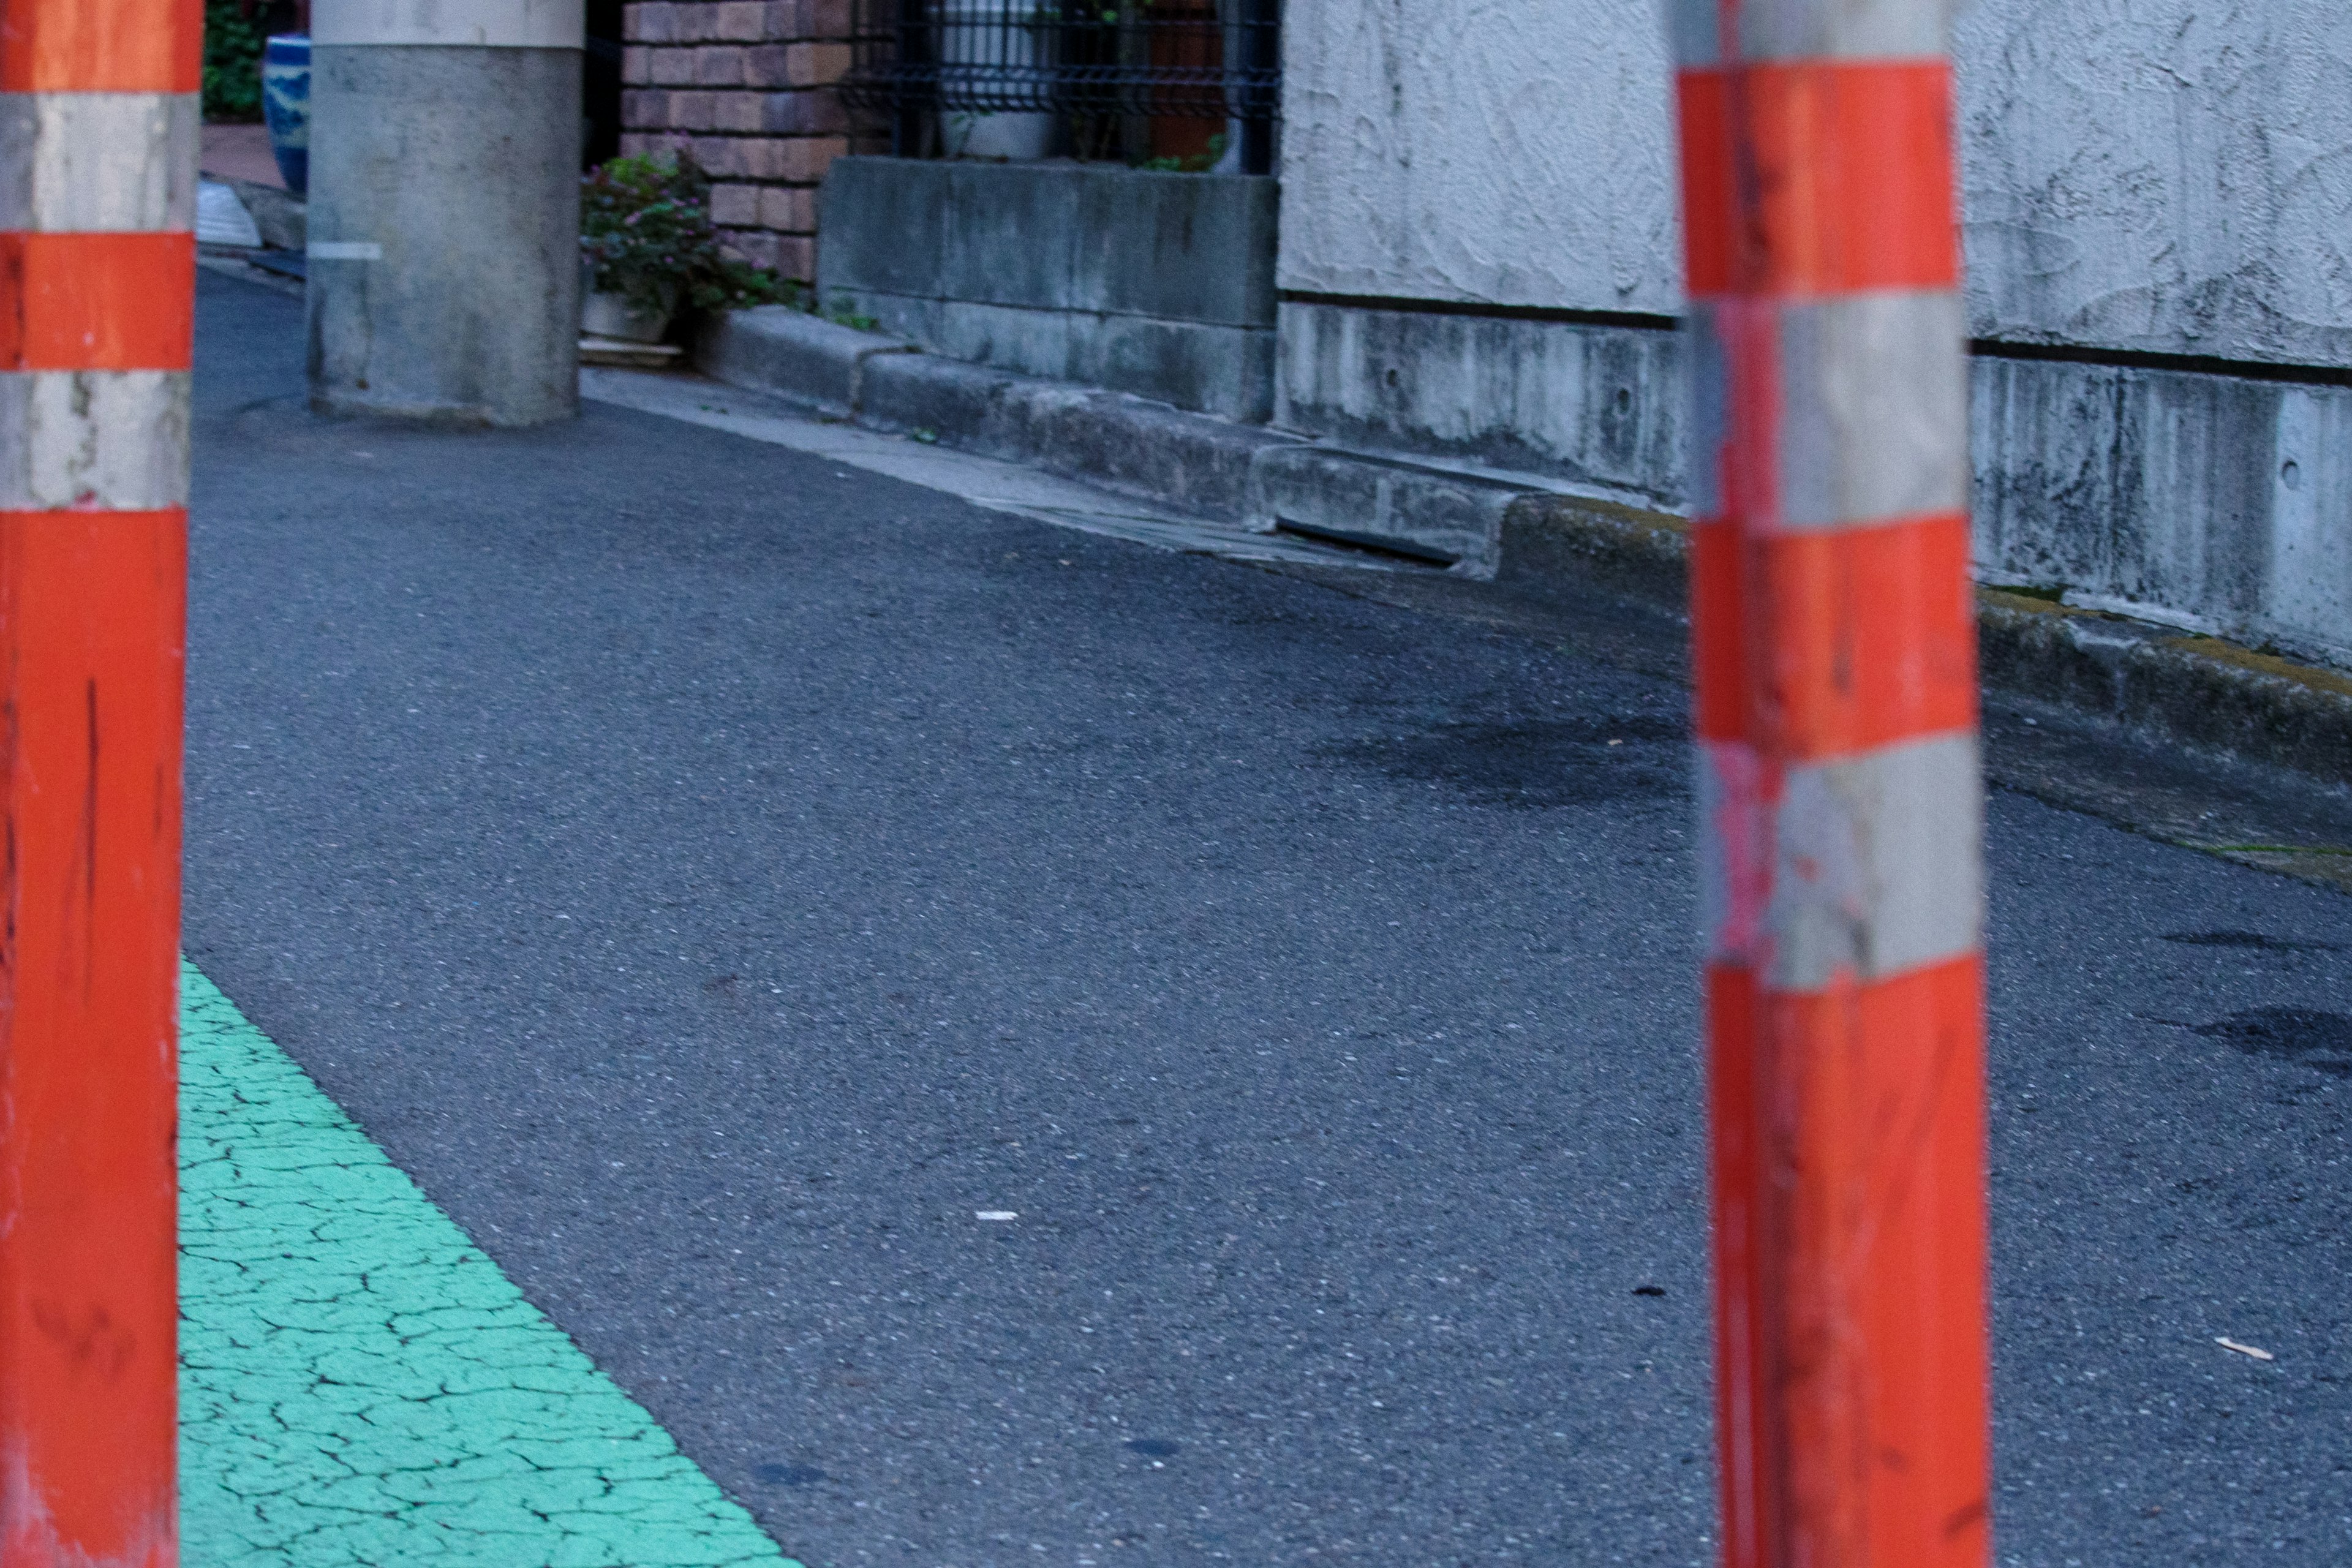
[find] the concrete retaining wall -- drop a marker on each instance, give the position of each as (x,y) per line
(1592,404)
(2221,503)
(1161,284)
(1459,150)
(2165,184)
(2161,175)
(2216,502)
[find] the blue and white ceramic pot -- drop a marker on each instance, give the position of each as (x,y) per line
(285,105)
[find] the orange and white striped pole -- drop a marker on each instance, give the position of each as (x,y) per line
(1839,783)
(97,287)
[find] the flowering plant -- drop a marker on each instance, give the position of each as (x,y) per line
(645,225)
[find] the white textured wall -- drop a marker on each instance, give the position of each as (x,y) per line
(2172,175)
(1502,151)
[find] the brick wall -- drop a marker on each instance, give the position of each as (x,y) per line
(744,85)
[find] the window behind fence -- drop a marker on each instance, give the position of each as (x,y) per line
(1176,84)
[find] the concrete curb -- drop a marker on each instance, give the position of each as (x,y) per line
(1193,461)
(2159,681)
(789,352)
(1531,542)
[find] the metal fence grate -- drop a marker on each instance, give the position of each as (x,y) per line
(1183,83)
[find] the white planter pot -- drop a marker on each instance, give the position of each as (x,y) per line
(610,315)
(977,41)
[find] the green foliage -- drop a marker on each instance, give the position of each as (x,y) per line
(1195,164)
(232,62)
(645,223)
(844,314)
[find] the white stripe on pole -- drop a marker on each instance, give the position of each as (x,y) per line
(63,168)
(1872,387)
(1879,864)
(475,23)
(106,440)
(1809,30)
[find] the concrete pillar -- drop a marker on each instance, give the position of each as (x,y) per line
(445,209)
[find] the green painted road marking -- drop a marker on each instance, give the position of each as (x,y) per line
(360,1384)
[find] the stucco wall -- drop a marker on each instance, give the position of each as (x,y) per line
(2165,175)
(1490,150)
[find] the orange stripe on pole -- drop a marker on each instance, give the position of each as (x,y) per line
(1802,179)
(1875,1267)
(97,301)
(1718,631)
(1872,637)
(91,609)
(1741,1361)
(102,46)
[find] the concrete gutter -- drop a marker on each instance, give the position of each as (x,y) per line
(1530,539)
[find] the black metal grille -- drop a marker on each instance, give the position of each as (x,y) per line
(1119,77)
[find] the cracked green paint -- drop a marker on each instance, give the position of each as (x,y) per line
(359,1382)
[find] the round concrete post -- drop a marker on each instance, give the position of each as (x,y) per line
(445,209)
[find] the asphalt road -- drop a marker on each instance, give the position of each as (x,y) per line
(718,876)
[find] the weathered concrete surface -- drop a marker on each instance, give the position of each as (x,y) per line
(1455,518)
(2141,176)
(806,358)
(1161,284)
(2163,176)
(444,240)
(2221,503)
(1597,404)
(1456,150)
(2169,176)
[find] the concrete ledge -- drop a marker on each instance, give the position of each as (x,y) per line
(791,354)
(1549,539)
(1456,518)
(1126,443)
(2201,690)
(1123,442)
(1223,370)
